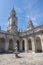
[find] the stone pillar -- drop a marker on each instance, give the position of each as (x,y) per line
(33,44)
(42,43)
(26,45)
(14,45)
(20,45)
(6,45)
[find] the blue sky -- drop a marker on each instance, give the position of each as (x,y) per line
(25,9)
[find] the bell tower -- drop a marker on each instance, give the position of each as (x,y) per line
(12,22)
(30,25)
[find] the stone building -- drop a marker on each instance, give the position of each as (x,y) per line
(29,41)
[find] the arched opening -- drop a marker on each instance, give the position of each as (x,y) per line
(29,44)
(2,44)
(23,45)
(38,47)
(18,44)
(10,45)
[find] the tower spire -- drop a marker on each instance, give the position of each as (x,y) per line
(12,21)
(30,25)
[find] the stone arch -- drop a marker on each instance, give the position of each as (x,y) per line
(29,44)
(38,46)
(17,44)
(2,44)
(10,45)
(23,45)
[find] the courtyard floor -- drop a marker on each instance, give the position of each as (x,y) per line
(25,59)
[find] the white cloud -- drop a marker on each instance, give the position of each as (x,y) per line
(35,18)
(29,9)
(18,9)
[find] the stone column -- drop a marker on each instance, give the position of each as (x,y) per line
(26,45)
(20,45)
(14,45)
(6,45)
(42,43)
(33,44)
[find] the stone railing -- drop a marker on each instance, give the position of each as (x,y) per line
(36,29)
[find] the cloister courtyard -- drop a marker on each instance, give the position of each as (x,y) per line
(24,59)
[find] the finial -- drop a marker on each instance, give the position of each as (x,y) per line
(13,3)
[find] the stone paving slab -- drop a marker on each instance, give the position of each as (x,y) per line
(26,59)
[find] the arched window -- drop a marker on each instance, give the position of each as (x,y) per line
(2,44)
(11,45)
(29,44)
(38,46)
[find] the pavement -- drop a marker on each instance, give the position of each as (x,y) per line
(24,59)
